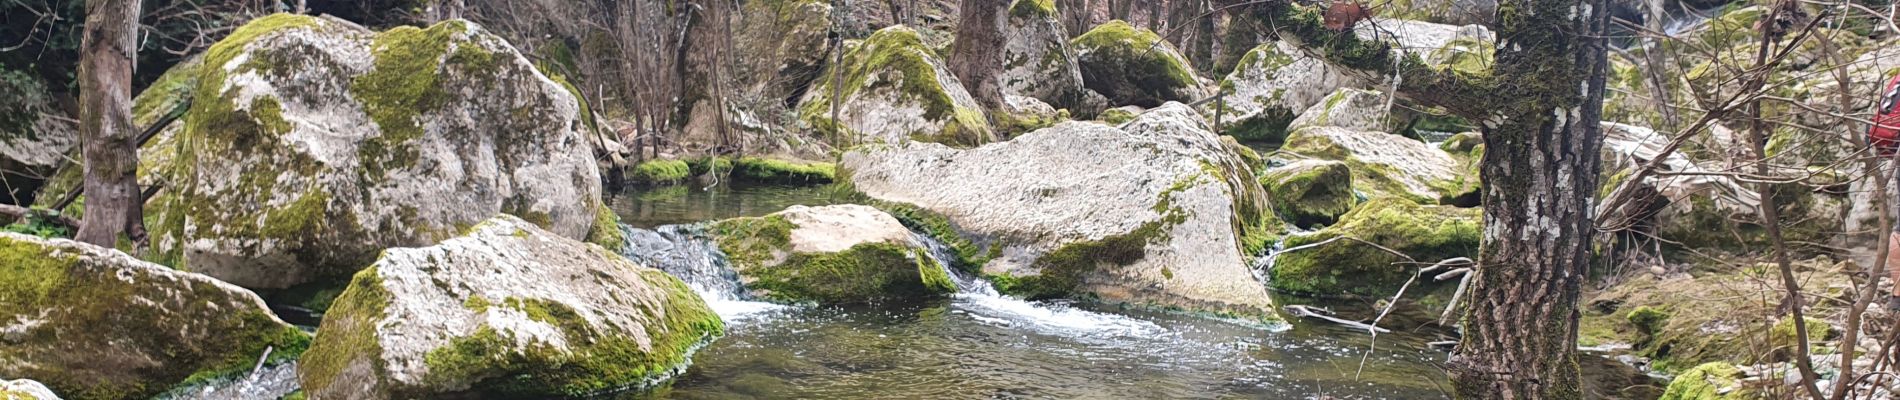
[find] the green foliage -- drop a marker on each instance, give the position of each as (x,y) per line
(349,334)
(39,224)
(1648,320)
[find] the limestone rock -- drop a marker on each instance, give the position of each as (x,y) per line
(508,309)
(1038,62)
(1383,164)
(832,254)
(1134,66)
(895,89)
(313,144)
(1352,109)
(95,323)
(25,389)
(1310,193)
(1427,234)
(1271,85)
(34,136)
(1160,211)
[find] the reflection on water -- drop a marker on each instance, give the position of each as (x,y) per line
(647,207)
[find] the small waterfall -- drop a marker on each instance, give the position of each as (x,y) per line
(688,253)
(980,300)
(946,257)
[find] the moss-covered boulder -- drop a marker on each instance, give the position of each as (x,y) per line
(660,172)
(25,389)
(1310,193)
(1705,323)
(1353,109)
(509,310)
(1343,265)
(1712,381)
(1158,211)
(34,135)
(893,89)
(1134,66)
(1270,86)
(311,145)
(1383,164)
(95,323)
(830,255)
(1037,60)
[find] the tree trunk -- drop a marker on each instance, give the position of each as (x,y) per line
(114,208)
(443,10)
(977,59)
(1539,171)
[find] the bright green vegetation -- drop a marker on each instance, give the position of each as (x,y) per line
(660,172)
(599,359)
(606,231)
(895,59)
(1648,320)
(1033,8)
(1134,66)
(95,315)
(782,171)
(1712,381)
(1784,338)
(1313,196)
(968,253)
(405,82)
(760,249)
(1372,180)
(1117,116)
(349,337)
(1347,267)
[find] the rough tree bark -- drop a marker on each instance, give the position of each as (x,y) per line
(977,59)
(1540,172)
(114,207)
(443,10)
(1539,109)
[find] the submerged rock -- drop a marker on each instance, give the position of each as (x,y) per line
(1310,193)
(1134,66)
(1158,212)
(895,89)
(1271,85)
(1337,265)
(1386,165)
(508,309)
(95,323)
(1037,60)
(313,144)
(832,254)
(25,389)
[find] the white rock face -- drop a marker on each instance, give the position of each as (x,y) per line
(1352,109)
(92,320)
(1419,37)
(316,144)
(836,228)
(508,290)
(1276,81)
(25,389)
(1381,163)
(1079,183)
(34,136)
(1038,62)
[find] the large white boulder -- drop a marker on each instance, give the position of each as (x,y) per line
(1160,211)
(509,310)
(313,144)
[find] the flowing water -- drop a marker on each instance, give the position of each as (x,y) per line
(978,344)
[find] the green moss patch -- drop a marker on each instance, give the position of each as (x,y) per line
(1712,381)
(1313,196)
(760,249)
(783,171)
(1348,267)
(896,59)
(1134,66)
(660,172)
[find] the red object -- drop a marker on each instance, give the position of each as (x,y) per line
(1885,135)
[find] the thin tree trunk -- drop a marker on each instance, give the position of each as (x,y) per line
(114,208)
(1539,171)
(977,59)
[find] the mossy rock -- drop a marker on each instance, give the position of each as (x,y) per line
(1134,66)
(784,171)
(660,172)
(94,323)
(1711,381)
(894,88)
(1037,61)
(508,310)
(830,255)
(269,188)
(1310,193)
(1270,86)
(1346,267)
(1387,165)
(1684,320)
